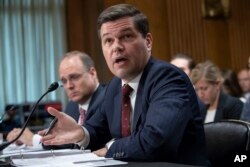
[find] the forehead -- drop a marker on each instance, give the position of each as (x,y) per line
(202,82)
(180,62)
(243,73)
(70,65)
(113,27)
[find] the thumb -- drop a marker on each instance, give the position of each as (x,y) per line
(54,112)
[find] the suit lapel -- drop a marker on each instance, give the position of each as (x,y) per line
(118,108)
(138,106)
(220,107)
(140,94)
(94,102)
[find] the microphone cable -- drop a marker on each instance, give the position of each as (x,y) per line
(51,88)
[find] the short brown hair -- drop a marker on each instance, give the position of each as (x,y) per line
(124,10)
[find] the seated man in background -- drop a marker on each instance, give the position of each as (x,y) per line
(80,81)
(186,63)
(207,79)
(150,110)
(245,115)
(244,81)
(231,84)
(246,109)
(10,119)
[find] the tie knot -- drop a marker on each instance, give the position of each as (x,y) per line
(82,111)
(126,90)
(82,116)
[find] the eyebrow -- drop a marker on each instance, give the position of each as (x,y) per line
(122,31)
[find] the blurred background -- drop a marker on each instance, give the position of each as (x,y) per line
(34,35)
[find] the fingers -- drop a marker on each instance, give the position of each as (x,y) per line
(13,134)
(101,152)
(55,112)
(51,139)
(47,140)
(52,142)
(18,142)
(42,132)
(27,130)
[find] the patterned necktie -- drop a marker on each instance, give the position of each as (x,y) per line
(82,116)
(126,110)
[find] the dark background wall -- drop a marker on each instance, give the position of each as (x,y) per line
(176,25)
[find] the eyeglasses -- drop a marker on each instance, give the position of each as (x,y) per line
(72,78)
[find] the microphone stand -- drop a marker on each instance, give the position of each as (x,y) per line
(51,88)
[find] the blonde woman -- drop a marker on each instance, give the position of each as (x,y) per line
(208,81)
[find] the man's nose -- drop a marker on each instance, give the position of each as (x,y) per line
(117,46)
(69,84)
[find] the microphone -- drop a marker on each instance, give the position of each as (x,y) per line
(51,88)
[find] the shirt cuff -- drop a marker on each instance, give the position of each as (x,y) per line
(85,141)
(108,145)
(36,141)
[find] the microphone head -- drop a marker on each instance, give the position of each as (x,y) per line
(53,86)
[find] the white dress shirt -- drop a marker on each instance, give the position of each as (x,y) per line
(134,83)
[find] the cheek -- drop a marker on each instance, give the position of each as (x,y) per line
(199,94)
(211,94)
(67,92)
(107,58)
(66,89)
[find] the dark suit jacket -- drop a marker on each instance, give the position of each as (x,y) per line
(245,115)
(202,106)
(228,108)
(72,109)
(167,124)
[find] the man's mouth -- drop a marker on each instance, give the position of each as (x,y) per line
(120,60)
(73,94)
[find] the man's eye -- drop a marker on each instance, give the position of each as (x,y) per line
(63,81)
(75,77)
(107,41)
(127,37)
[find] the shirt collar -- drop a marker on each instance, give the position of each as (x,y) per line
(86,104)
(134,83)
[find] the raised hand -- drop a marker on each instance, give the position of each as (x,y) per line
(65,131)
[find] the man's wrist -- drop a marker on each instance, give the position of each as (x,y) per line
(84,142)
(108,145)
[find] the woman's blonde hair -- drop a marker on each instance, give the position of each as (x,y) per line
(207,71)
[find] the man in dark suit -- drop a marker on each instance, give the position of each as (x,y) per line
(80,81)
(245,115)
(164,123)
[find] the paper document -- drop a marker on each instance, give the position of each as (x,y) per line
(65,157)
(14,149)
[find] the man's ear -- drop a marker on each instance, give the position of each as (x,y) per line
(149,41)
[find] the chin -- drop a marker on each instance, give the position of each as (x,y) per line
(74,99)
(119,73)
